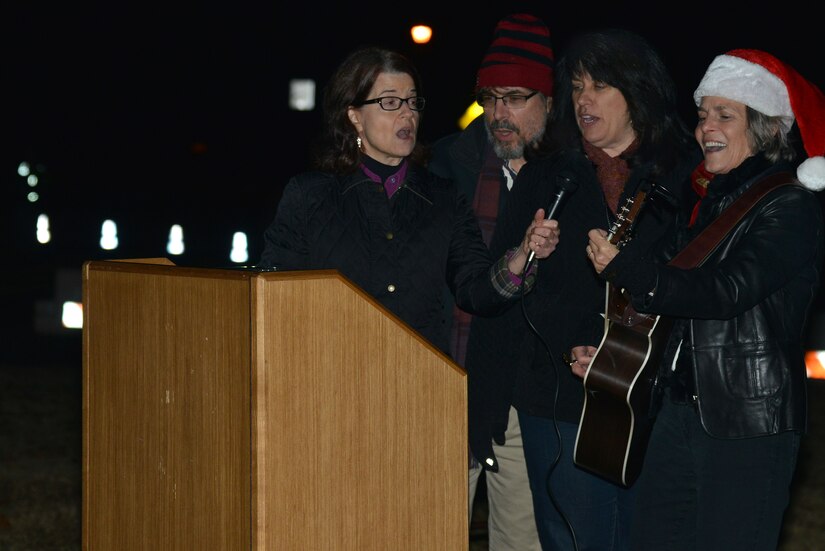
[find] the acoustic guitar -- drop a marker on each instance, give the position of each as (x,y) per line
(615,422)
(616,418)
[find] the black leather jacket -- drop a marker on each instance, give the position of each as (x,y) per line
(741,316)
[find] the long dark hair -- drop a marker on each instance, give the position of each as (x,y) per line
(626,61)
(350,84)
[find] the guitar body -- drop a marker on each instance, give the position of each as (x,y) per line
(616,421)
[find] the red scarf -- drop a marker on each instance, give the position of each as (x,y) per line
(612,172)
(699,180)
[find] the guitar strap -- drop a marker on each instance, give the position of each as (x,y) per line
(698,250)
(701,246)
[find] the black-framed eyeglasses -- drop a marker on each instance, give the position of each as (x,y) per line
(513,101)
(393,103)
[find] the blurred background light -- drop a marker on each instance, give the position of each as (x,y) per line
(470,114)
(44,233)
(174,245)
(421,34)
(72,317)
(108,235)
(302,94)
(240,248)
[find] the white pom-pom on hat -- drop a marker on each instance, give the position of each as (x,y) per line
(766,84)
(812,173)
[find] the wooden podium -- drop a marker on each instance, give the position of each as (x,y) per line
(232,409)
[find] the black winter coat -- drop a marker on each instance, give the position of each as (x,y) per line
(400,250)
(565,305)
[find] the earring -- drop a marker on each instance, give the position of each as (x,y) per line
(358,143)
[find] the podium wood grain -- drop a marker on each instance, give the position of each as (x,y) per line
(241,410)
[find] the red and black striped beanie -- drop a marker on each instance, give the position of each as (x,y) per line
(521,55)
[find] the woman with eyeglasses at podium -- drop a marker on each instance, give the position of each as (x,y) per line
(373,212)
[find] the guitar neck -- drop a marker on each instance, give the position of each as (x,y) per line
(618,233)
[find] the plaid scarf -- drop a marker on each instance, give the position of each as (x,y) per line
(485,206)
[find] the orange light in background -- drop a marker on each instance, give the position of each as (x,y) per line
(815,364)
(421,34)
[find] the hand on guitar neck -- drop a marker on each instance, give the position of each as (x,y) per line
(600,250)
(604,245)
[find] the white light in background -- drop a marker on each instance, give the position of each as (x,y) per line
(302,94)
(175,243)
(44,234)
(108,235)
(33,196)
(62,313)
(23,169)
(239,252)
(72,316)
(32,180)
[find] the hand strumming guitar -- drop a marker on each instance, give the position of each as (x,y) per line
(580,357)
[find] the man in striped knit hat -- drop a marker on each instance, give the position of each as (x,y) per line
(514,87)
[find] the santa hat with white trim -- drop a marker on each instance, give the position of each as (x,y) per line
(768,85)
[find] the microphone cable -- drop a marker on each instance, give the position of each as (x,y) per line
(556,460)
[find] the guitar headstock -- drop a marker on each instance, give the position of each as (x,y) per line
(621,230)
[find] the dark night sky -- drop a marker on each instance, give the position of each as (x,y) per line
(176,114)
(113,100)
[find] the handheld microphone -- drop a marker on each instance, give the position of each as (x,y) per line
(565,184)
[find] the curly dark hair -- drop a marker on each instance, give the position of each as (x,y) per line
(626,61)
(336,149)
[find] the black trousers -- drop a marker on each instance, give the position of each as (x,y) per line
(698,493)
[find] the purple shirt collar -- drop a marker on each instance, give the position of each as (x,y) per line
(393,182)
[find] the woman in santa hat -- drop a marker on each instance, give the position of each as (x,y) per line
(732,382)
